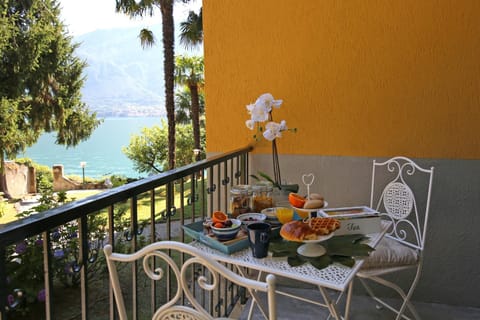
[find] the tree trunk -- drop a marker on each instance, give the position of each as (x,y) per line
(195,118)
(169,69)
(2,174)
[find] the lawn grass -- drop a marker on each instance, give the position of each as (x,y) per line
(9,213)
(143,204)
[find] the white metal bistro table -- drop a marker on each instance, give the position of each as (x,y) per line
(335,276)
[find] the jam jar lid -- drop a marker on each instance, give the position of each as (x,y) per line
(241,189)
(262,186)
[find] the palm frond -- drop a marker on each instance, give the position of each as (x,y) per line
(191,30)
(147,39)
(255,177)
(266,177)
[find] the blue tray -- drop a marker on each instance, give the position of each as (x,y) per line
(195,230)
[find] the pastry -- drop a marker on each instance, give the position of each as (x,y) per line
(297,231)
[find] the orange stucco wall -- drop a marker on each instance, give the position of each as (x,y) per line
(358,78)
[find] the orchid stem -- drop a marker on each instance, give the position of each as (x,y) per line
(276,164)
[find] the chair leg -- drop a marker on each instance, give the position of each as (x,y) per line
(380,304)
(406,298)
(348,300)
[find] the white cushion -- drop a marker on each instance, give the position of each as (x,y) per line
(390,253)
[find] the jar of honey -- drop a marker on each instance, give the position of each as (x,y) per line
(262,196)
(240,199)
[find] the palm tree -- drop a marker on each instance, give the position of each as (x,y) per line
(147,7)
(191,30)
(189,72)
(183,106)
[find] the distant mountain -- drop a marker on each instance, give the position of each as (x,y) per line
(122,78)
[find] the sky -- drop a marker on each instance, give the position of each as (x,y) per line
(83,16)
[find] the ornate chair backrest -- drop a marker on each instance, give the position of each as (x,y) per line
(157,262)
(401,192)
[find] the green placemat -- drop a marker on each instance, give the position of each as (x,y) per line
(340,249)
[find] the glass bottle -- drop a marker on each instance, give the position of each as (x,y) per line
(240,199)
(262,196)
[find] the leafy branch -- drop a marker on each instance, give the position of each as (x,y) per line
(265,177)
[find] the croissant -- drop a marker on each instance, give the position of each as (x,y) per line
(297,231)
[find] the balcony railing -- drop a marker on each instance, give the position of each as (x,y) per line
(68,241)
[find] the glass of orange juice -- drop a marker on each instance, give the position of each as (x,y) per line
(284,215)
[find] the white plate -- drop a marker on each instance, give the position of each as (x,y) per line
(325,204)
(309,211)
(319,238)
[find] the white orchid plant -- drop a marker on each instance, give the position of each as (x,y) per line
(261,112)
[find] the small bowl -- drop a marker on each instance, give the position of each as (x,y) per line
(271,214)
(247,218)
(224,234)
(305,213)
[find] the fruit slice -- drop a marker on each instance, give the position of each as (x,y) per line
(296,200)
(219,216)
(219,225)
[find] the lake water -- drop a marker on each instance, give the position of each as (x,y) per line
(102,151)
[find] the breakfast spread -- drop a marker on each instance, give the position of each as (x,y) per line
(308,230)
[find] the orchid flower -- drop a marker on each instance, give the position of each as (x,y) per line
(250,124)
(260,112)
(273,130)
(266,101)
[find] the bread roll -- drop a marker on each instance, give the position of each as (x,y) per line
(316,196)
(313,204)
(297,231)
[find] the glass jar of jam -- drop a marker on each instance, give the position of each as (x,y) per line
(262,196)
(240,199)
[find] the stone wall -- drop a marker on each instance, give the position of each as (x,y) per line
(62,183)
(19,180)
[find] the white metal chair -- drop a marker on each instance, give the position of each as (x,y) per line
(173,309)
(401,192)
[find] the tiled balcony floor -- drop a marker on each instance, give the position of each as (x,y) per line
(363,308)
